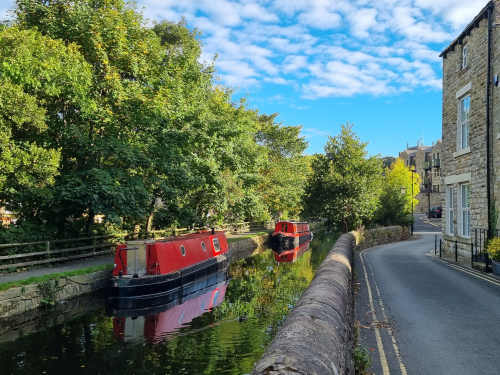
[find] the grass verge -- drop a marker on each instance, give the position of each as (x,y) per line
(250,235)
(42,279)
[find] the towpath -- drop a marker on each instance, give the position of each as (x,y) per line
(420,314)
(80,264)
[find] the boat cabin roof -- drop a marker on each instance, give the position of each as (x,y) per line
(292,222)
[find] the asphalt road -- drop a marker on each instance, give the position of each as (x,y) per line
(420,315)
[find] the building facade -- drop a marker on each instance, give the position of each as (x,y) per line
(471,130)
(426,161)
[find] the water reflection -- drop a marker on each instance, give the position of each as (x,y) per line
(156,324)
(289,256)
(199,333)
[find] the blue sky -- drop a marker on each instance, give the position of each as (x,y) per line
(322,63)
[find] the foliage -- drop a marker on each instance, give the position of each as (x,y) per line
(48,293)
(362,359)
(395,206)
(344,185)
(388,160)
(104,113)
(493,248)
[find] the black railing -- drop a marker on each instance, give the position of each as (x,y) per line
(479,253)
(436,163)
(427,165)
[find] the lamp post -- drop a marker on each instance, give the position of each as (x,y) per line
(413,219)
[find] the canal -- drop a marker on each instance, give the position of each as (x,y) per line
(221,329)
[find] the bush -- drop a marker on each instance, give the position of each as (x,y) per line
(493,248)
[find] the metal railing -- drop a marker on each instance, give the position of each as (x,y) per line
(436,163)
(17,255)
(479,254)
(427,165)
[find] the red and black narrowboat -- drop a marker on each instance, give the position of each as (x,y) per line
(290,234)
(151,272)
(290,256)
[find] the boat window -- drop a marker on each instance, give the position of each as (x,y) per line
(183,250)
(286,227)
(216,244)
(203,246)
(282,227)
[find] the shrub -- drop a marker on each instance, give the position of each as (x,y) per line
(493,248)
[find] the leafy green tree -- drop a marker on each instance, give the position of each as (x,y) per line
(39,77)
(345,183)
(397,195)
(285,173)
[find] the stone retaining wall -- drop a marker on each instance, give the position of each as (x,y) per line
(317,336)
(21,299)
(381,236)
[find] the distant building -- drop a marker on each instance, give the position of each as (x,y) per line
(426,160)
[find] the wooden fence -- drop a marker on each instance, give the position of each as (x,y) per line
(17,255)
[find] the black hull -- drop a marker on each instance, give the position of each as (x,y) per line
(154,290)
(283,243)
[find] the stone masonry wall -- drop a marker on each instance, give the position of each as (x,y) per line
(474,162)
(21,299)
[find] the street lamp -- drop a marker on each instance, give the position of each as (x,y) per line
(412,172)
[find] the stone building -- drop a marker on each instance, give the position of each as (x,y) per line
(426,161)
(471,130)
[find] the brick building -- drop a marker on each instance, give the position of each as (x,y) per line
(470,155)
(426,160)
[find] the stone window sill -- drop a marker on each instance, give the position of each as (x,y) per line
(457,238)
(461,152)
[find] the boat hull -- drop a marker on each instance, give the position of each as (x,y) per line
(128,292)
(285,242)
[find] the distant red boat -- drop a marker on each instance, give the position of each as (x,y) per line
(147,272)
(290,234)
(290,256)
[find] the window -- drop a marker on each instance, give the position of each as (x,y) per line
(464,210)
(449,208)
(203,246)
(215,241)
(183,250)
(464,57)
(464,122)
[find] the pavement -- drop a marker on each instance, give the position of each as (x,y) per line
(80,264)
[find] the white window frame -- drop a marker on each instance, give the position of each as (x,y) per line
(463,127)
(463,205)
(449,210)
(464,56)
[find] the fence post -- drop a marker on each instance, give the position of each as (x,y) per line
(435,243)
(93,244)
(456,251)
(440,246)
(48,248)
(471,254)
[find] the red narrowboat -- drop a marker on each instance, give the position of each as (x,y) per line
(290,234)
(149,272)
(289,256)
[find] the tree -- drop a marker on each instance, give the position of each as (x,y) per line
(397,195)
(345,183)
(39,76)
(285,173)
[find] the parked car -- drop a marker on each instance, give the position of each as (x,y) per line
(435,212)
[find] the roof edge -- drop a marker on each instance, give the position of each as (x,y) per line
(469,27)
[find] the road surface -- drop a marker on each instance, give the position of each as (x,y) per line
(421,315)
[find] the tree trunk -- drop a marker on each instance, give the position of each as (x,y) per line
(90,221)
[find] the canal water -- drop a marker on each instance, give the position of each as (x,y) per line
(223,328)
